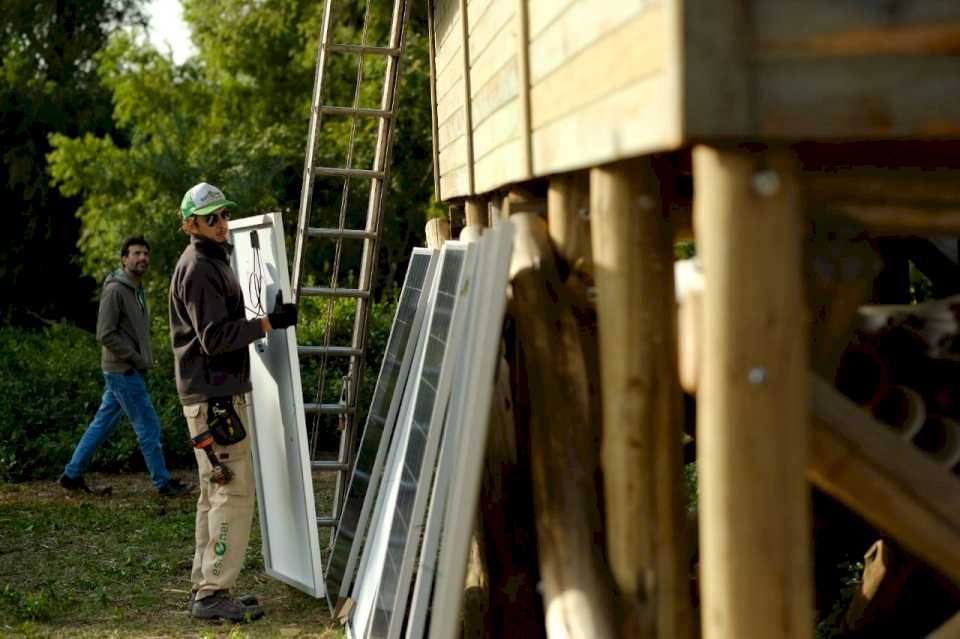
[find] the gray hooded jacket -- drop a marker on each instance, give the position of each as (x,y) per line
(123,325)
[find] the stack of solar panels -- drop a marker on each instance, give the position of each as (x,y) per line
(400,551)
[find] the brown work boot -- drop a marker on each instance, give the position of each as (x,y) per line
(246,600)
(220,605)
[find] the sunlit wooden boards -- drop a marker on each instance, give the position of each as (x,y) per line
(528,88)
(451,101)
(599,82)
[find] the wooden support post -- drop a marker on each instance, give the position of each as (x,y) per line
(476,211)
(643,419)
(576,590)
(508,520)
(568,222)
(568,215)
(437,232)
(755,537)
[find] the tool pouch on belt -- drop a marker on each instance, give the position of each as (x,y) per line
(223,421)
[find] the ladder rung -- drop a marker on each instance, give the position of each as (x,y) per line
(336,351)
(347,234)
(341,172)
(359,48)
(329,466)
(333,292)
(326,522)
(327,409)
(369,113)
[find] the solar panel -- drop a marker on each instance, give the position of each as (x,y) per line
(371,453)
(453,503)
(288,521)
(386,581)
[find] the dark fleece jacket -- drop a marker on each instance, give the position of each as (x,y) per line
(208,325)
(123,325)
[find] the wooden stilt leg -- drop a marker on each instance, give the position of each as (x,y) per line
(752,398)
(642,412)
(437,231)
(576,594)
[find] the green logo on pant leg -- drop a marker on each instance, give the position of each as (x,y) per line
(220,548)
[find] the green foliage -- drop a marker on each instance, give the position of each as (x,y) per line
(829,627)
(48,84)
(313,331)
(237,116)
(690,479)
(921,288)
(684,250)
(52,388)
(26,606)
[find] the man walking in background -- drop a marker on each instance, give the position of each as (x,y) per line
(123,330)
(210,334)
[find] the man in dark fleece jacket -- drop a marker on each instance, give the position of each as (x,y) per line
(123,329)
(210,334)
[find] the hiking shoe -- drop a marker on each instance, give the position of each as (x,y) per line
(220,605)
(71,483)
(246,600)
(174,488)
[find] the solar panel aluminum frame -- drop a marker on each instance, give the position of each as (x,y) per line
(456,488)
(374,443)
(374,551)
(281,457)
(413,465)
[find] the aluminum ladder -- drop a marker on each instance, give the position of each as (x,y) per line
(344,408)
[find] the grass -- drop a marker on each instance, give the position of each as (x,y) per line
(92,566)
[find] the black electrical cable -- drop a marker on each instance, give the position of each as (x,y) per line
(255,281)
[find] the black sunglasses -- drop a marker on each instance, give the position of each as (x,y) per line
(211,219)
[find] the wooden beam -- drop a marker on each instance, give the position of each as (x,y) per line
(437,231)
(507,516)
(755,543)
(523,69)
(644,485)
(432,43)
(568,217)
(875,472)
(890,483)
(467,94)
(476,211)
(576,591)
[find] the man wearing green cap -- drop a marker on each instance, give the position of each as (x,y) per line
(210,335)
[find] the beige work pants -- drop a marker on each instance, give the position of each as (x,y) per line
(224,513)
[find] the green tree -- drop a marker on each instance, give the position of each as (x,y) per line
(48,84)
(236,115)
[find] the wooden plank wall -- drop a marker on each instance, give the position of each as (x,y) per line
(558,85)
(496,78)
(600,82)
(452,115)
(842,69)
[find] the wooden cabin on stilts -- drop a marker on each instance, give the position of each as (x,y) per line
(795,145)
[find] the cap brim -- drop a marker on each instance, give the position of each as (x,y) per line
(213,208)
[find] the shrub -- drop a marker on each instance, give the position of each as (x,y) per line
(52,387)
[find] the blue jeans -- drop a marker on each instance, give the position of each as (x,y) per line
(123,394)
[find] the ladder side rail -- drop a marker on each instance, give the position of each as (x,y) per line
(382,162)
(338,242)
(306,193)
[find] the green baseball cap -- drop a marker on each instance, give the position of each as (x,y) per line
(203,199)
